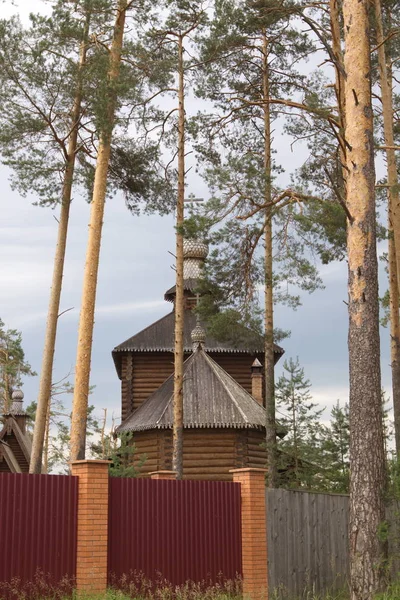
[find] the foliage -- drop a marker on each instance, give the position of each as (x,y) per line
(56,445)
(12,364)
(300,449)
(38,93)
(335,449)
(120,449)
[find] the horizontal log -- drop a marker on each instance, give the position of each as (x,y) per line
(207,454)
(257,456)
(209,462)
(205,470)
(222,477)
(198,445)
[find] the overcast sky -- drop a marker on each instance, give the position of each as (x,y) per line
(135,270)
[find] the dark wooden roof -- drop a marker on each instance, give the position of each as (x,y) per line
(15,445)
(189,285)
(159,337)
(211,399)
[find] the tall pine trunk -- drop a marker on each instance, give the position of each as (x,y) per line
(394,222)
(46,441)
(367,461)
(269,381)
(177,455)
(394,335)
(46,373)
(86,321)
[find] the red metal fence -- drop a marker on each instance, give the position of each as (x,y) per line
(181,530)
(38,527)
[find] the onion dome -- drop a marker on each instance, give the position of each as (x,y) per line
(194,254)
(17,401)
(195,248)
(198,337)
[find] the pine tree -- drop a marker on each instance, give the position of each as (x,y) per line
(249,57)
(300,449)
(12,364)
(335,448)
(367,460)
(86,322)
(386,83)
(169,46)
(53,101)
(43,404)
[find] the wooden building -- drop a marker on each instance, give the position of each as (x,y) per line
(223,422)
(15,443)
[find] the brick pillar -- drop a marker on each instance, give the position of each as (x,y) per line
(257,381)
(92,538)
(163,475)
(254,532)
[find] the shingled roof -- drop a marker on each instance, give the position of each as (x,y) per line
(211,399)
(189,285)
(159,337)
(15,443)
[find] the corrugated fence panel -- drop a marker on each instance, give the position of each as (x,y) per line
(307,542)
(38,527)
(181,530)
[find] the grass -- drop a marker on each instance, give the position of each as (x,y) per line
(129,587)
(136,587)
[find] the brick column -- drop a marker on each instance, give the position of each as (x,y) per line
(257,381)
(163,475)
(254,532)
(92,538)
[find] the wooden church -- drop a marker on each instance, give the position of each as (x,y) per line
(15,443)
(224,416)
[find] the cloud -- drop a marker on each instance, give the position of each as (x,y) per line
(129,307)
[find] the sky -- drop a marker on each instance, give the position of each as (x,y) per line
(135,270)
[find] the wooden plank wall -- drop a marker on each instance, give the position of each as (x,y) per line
(308,542)
(393,518)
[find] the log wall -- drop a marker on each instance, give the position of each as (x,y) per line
(207,453)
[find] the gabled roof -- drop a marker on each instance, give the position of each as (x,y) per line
(211,399)
(159,337)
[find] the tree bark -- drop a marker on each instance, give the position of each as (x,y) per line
(394,219)
(394,336)
(46,441)
(269,364)
(367,470)
(86,321)
(334,14)
(177,434)
(46,373)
